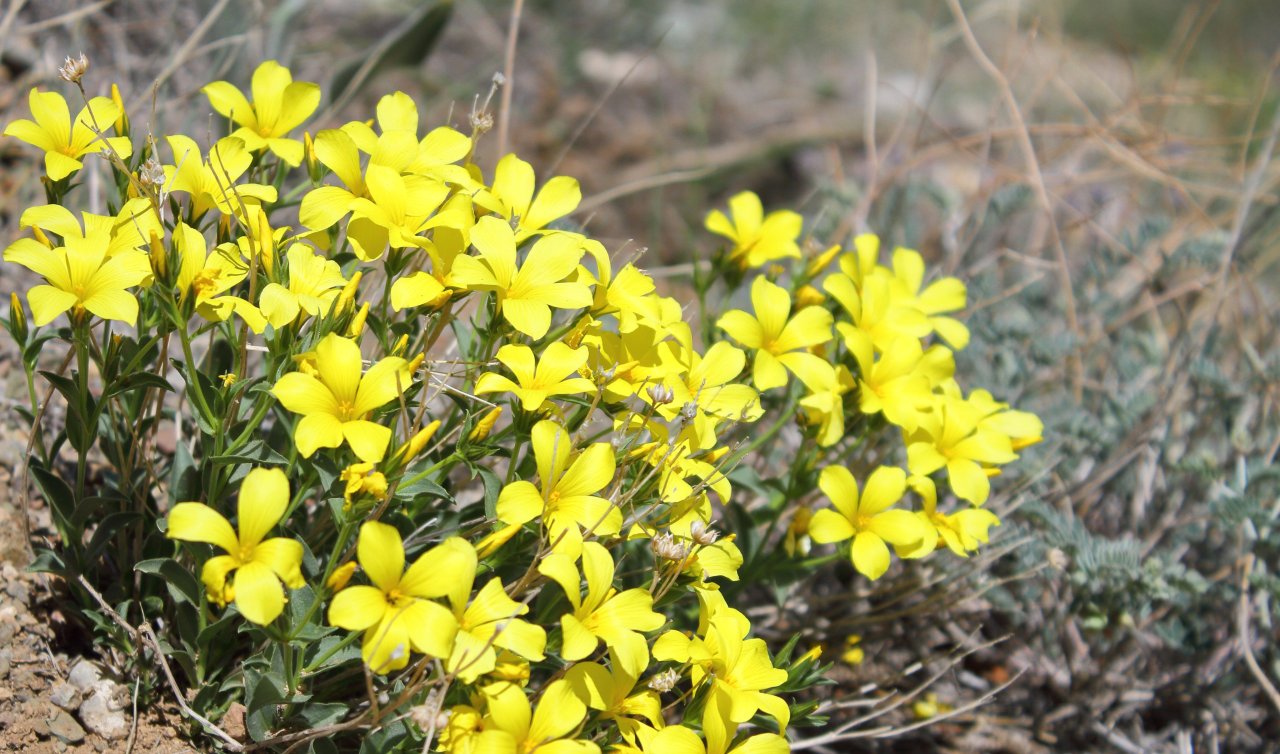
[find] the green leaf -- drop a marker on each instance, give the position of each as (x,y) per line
(181,584)
(106,530)
(61,500)
(256,452)
(136,381)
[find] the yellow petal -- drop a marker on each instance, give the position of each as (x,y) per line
(381,554)
(448,569)
(430,626)
(197,522)
(357,607)
(284,558)
(338,362)
(230,102)
(48,302)
(368,440)
(259,596)
(264,495)
(838,484)
(519,502)
(558,713)
(304,394)
(827,526)
(870,555)
(885,486)
(315,431)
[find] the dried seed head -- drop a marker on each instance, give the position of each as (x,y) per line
(74,69)
(660,394)
(664,681)
(151,174)
(703,534)
(689,411)
(604,375)
(666,547)
(482,122)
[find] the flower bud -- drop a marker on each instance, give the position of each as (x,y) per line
(341,575)
(418,442)
(348,296)
(74,69)
(309,149)
(808,296)
(357,322)
(483,427)
(491,543)
(17,319)
(159,257)
(122,120)
(41,237)
(400,346)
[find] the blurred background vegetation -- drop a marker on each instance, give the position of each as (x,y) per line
(1101,173)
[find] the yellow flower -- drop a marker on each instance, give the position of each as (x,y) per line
(212,183)
(875,309)
(363,479)
(336,402)
(526,293)
(65,141)
(511,196)
(757,238)
(397,209)
(567,499)
(396,613)
(940,297)
(962,532)
(677,739)
(852,654)
(900,384)
(203,278)
(314,283)
(602,613)
(868,519)
(279,105)
(737,669)
(773,334)
(130,230)
(824,405)
(534,384)
(433,156)
(609,690)
(259,564)
(81,278)
(488,623)
(514,726)
(957,436)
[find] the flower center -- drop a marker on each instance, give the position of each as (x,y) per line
(346,411)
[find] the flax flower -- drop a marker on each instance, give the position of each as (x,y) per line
(335,403)
(63,140)
(535,383)
(602,613)
(80,277)
(205,278)
(868,519)
(757,238)
(935,300)
(255,565)
(314,283)
(486,623)
(396,613)
(525,293)
(279,105)
(612,691)
(211,183)
(512,197)
(568,497)
(962,532)
(956,436)
(514,726)
(774,334)
(677,739)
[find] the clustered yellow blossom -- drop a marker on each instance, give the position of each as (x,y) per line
(484,340)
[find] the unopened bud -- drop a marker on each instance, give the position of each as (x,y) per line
(41,237)
(74,69)
(341,575)
(159,258)
(491,543)
(703,534)
(17,319)
(122,120)
(400,346)
(664,681)
(309,149)
(660,394)
(357,322)
(483,427)
(348,295)
(419,441)
(808,296)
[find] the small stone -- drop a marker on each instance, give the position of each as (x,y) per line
(5,654)
(65,727)
(83,675)
(64,695)
(101,714)
(19,591)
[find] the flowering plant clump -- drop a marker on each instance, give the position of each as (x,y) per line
(446,473)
